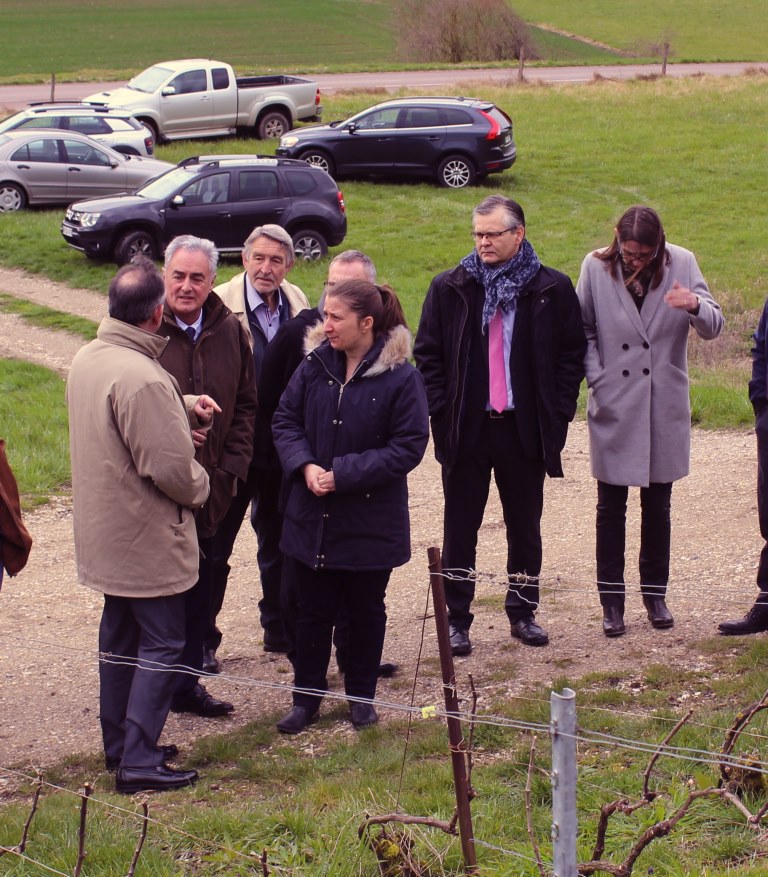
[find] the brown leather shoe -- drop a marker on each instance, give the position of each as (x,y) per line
(658,614)
(613,621)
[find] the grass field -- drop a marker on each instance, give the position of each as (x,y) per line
(302,805)
(112,39)
(694,149)
(698,30)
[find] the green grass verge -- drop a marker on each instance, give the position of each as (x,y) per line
(34,419)
(302,800)
(48,318)
(693,149)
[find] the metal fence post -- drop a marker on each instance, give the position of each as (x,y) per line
(564,821)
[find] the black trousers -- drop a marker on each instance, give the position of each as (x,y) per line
(655,529)
(761,431)
(261,490)
(199,612)
(134,698)
(320,594)
(520,482)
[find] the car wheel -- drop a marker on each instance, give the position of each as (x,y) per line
(318,158)
(455,172)
(12,197)
(135,243)
(309,245)
(152,128)
(273,125)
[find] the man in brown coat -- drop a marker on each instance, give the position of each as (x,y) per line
(207,352)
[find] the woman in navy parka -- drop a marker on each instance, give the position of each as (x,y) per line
(350,426)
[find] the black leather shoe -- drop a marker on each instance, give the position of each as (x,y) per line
(755,621)
(211,663)
(460,641)
(198,701)
(387,669)
(528,632)
(362,714)
(658,614)
(613,621)
(169,752)
(275,642)
(152,779)
(296,720)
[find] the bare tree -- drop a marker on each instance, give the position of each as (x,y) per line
(456,31)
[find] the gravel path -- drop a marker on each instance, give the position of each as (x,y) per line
(48,623)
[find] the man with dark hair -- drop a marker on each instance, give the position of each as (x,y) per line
(135,482)
(501,348)
(262,299)
(207,351)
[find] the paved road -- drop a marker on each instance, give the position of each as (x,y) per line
(18,96)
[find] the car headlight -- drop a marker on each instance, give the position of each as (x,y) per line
(88,220)
(289,141)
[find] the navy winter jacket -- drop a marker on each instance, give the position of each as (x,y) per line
(371,431)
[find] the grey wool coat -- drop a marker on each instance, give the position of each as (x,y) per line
(639,410)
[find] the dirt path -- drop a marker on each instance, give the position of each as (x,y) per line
(48,623)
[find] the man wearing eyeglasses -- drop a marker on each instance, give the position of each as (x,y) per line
(501,348)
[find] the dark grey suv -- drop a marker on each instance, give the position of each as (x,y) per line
(455,141)
(219,197)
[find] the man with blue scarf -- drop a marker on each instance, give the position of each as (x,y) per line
(501,348)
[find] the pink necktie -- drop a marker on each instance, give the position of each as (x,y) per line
(497,378)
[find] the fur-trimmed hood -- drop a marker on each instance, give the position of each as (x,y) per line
(396,350)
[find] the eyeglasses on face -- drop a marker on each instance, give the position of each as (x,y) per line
(636,255)
(492,235)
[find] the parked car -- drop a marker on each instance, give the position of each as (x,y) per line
(58,167)
(453,140)
(201,98)
(115,128)
(220,197)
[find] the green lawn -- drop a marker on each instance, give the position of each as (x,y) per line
(698,30)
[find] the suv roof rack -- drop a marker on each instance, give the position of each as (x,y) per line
(68,104)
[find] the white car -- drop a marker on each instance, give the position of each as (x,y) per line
(59,167)
(115,128)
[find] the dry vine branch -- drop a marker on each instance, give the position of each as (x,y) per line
(87,790)
(22,845)
(142,838)
(655,757)
(734,732)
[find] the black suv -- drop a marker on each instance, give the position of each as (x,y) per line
(455,140)
(219,197)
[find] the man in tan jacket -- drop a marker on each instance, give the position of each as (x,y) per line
(263,300)
(135,482)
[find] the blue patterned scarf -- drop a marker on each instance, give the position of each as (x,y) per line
(502,283)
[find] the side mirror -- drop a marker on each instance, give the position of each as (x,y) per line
(177,201)
(169,89)
(113,163)
(352,127)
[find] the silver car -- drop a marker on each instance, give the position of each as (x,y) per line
(115,128)
(59,167)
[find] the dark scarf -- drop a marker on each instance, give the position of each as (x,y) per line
(502,283)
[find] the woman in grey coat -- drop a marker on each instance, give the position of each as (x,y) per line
(639,298)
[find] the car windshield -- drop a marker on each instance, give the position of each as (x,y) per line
(150,80)
(10,124)
(164,185)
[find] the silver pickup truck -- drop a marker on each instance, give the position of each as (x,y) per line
(202,98)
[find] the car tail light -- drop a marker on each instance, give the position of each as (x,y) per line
(150,144)
(342,205)
(495,127)
(317,98)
